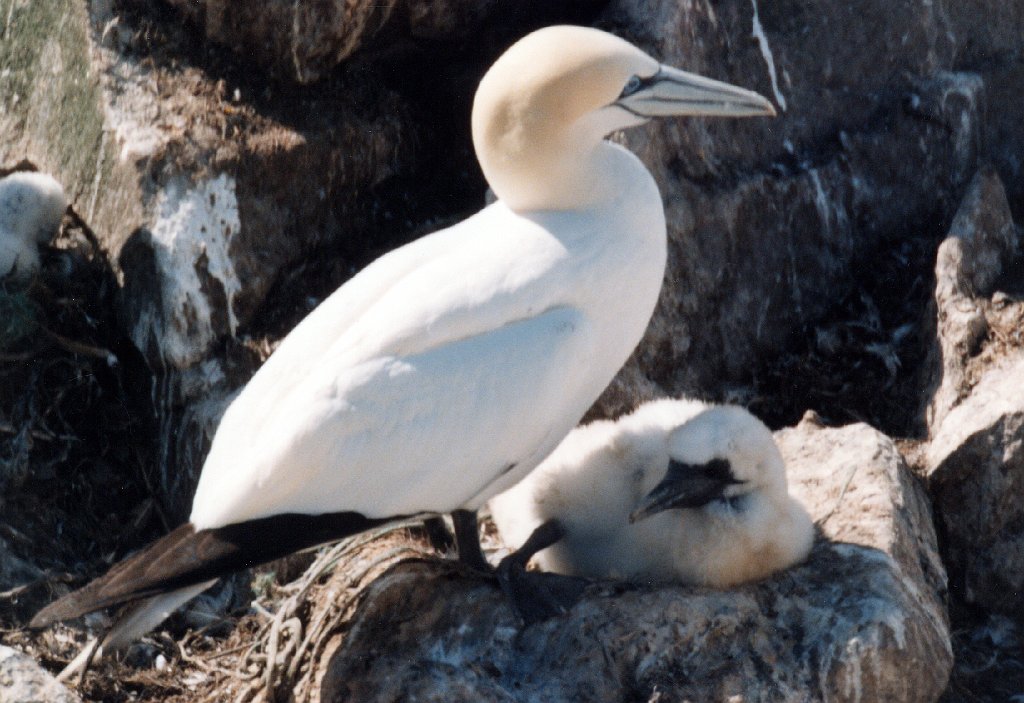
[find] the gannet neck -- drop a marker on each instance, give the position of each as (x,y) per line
(537,129)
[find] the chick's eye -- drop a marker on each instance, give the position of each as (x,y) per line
(632,85)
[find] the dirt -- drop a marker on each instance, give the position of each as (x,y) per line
(225,657)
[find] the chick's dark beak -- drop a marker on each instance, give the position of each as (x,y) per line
(686,486)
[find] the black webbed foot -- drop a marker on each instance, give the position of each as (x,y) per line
(536,596)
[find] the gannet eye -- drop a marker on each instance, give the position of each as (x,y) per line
(634,84)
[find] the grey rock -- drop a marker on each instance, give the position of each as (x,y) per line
(976,476)
(975,412)
(22,680)
(862,620)
(981,243)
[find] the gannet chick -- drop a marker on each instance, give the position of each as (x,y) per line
(675,492)
(31,207)
(446,370)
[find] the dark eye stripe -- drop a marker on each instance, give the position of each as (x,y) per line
(719,469)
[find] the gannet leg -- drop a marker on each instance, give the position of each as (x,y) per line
(467,540)
(438,535)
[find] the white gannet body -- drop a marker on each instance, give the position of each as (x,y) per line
(31,207)
(717,510)
(449,368)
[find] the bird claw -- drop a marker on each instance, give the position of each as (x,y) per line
(537,596)
(527,593)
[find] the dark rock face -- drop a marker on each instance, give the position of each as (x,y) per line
(232,205)
(302,42)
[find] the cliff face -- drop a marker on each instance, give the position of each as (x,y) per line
(229,167)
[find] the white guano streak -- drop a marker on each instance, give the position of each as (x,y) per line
(192,223)
(766,52)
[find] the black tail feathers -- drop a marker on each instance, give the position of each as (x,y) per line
(187,556)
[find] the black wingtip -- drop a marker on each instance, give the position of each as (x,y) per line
(61,609)
(186,557)
(138,576)
(45,617)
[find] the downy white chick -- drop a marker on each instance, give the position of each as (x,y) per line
(678,491)
(31,207)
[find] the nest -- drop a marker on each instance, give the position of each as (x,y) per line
(274,649)
(71,437)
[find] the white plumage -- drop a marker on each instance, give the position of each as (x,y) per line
(448,369)
(600,474)
(31,207)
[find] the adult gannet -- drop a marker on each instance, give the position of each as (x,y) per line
(449,368)
(676,491)
(31,207)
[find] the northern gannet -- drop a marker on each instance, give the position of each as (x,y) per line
(678,491)
(31,207)
(446,370)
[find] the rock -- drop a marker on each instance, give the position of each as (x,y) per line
(303,41)
(976,475)
(974,413)
(298,40)
(207,201)
(981,243)
(22,680)
(862,620)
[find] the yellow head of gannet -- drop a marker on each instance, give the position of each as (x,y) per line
(677,491)
(543,109)
(449,368)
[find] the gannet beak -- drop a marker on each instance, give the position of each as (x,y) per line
(674,92)
(686,486)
